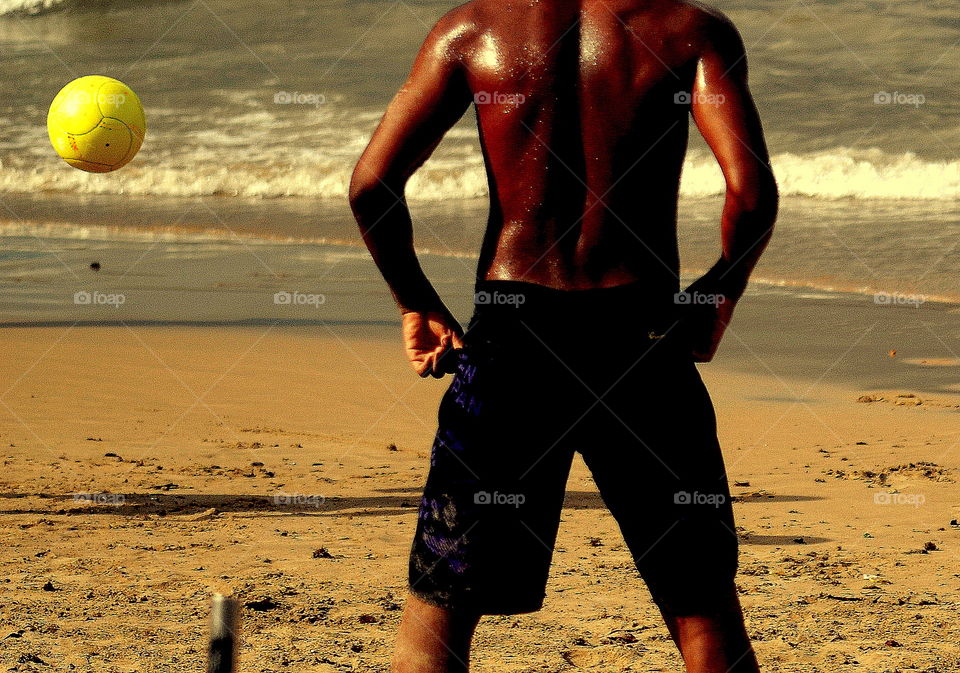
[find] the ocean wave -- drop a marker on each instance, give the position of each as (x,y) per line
(841,173)
(29,7)
(459,174)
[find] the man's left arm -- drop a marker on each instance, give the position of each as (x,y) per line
(726,116)
(431,101)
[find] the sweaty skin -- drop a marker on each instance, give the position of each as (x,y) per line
(582,112)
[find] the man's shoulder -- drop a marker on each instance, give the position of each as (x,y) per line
(691,20)
(688,22)
(456,27)
(706,22)
(700,13)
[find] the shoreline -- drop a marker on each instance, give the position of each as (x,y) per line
(845,340)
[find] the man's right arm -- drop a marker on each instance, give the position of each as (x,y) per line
(726,116)
(431,101)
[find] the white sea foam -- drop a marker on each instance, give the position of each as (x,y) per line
(840,173)
(29,7)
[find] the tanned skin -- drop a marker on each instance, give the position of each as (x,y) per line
(584,137)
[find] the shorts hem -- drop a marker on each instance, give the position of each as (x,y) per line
(476,607)
(708,600)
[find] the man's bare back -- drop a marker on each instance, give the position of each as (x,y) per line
(584,135)
(582,113)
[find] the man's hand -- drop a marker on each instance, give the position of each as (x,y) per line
(706,316)
(704,325)
(427,337)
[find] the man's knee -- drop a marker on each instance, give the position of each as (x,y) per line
(432,639)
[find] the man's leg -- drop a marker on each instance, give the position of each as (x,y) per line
(714,642)
(433,639)
(659,468)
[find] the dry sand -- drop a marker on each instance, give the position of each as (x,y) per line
(147,467)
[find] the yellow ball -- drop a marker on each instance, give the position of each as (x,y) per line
(96,123)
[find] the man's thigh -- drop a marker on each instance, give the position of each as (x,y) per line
(658,465)
(491,506)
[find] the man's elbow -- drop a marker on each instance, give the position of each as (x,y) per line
(770,199)
(368,189)
(363,189)
(759,200)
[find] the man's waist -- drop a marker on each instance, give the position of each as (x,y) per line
(635,304)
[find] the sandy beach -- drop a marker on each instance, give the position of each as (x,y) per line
(146,467)
(203,389)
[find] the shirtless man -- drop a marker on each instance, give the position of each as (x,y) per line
(581,339)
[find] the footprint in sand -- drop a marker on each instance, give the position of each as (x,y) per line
(606,658)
